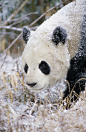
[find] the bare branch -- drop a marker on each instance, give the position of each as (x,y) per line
(15,12)
(16,29)
(4,33)
(23,17)
(12,28)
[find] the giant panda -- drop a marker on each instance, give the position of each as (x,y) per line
(57,50)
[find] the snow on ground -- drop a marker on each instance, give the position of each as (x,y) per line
(20,113)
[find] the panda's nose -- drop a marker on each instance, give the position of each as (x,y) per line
(31,84)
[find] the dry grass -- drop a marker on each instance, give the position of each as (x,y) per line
(22,110)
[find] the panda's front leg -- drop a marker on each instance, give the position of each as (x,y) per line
(76,77)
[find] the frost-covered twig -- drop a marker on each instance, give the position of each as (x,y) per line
(33,108)
(13,112)
(12,28)
(6,33)
(23,17)
(15,12)
(35,105)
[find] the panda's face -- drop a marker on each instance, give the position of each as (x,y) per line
(42,68)
(44,63)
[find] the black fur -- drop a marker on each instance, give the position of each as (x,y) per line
(26,68)
(44,67)
(77,68)
(59,35)
(26,33)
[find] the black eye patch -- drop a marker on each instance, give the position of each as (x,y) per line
(44,67)
(26,68)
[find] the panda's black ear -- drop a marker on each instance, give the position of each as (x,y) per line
(59,35)
(26,33)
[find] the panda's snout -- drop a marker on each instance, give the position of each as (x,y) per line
(31,84)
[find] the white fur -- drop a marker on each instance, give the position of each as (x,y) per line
(41,48)
(46,53)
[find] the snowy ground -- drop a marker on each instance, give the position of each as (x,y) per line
(20,113)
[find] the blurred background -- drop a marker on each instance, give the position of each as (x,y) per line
(14,14)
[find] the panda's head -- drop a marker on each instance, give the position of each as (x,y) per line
(45,57)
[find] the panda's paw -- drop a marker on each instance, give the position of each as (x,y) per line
(59,35)
(26,33)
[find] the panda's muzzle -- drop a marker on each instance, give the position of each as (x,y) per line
(31,84)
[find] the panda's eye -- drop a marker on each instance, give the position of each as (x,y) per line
(26,68)
(44,67)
